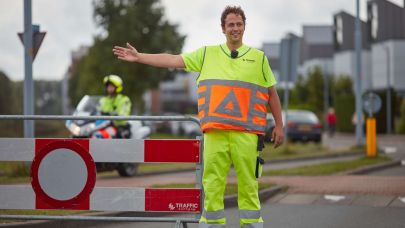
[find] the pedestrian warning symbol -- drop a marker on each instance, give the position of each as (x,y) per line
(229,105)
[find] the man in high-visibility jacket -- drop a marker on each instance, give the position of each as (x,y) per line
(116,104)
(234,87)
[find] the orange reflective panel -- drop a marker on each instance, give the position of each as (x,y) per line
(264,96)
(261,108)
(229,102)
(201,101)
(259,121)
(202,89)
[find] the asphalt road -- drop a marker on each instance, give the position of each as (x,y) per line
(394,171)
(306,216)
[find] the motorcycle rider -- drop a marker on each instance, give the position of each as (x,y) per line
(116,104)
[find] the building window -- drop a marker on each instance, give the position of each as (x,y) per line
(374,21)
(339,30)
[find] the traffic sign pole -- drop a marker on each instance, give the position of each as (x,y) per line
(358,47)
(31,39)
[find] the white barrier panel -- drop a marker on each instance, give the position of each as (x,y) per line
(17,149)
(110,150)
(63,174)
(112,199)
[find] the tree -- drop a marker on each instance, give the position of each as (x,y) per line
(141,23)
(343,97)
(299,95)
(8,102)
(401,125)
(316,91)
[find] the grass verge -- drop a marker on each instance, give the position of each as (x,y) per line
(326,168)
(301,150)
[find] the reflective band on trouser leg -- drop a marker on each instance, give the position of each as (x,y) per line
(214,215)
(217,161)
(244,154)
(212,219)
(249,219)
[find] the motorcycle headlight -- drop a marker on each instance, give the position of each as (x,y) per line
(74,129)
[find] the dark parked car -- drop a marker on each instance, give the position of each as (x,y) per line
(302,126)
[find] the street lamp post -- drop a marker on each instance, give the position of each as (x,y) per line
(388,94)
(358,45)
(28,82)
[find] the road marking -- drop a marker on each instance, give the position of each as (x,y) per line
(390,150)
(334,198)
(402,199)
(403,162)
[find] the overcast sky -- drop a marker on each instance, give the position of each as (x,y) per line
(69,24)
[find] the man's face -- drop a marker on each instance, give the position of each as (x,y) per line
(110,89)
(233,28)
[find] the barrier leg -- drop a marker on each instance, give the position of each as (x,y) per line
(199,175)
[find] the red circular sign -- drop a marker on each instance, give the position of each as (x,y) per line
(76,148)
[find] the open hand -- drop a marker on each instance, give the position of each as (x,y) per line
(277,136)
(129,53)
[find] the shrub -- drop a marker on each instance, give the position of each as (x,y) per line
(401,126)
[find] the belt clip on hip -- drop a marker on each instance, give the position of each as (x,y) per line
(259,160)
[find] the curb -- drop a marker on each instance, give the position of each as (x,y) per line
(371,168)
(232,200)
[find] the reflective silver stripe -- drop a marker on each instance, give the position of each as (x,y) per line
(205,225)
(249,214)
(253,225)
(213,215)
(210,82)
(246,125)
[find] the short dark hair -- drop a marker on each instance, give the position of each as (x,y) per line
(232,9)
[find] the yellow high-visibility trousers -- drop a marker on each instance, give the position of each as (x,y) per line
(221,149)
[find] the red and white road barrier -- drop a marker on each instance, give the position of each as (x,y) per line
(107,199)
(63,174)
(109,150)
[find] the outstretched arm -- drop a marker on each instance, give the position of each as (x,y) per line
(275,106)
(130,54)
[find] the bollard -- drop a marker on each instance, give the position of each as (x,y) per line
(371,138)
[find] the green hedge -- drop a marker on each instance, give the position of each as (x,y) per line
(344,103)
(344,108)
(401,125)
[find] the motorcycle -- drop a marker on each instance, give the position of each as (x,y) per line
(104,129)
